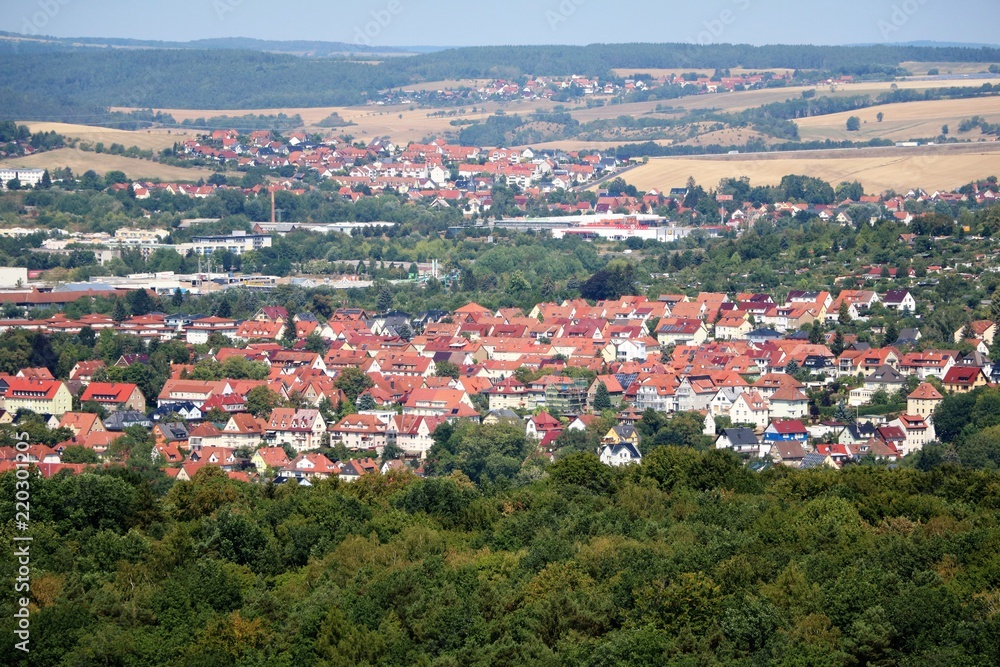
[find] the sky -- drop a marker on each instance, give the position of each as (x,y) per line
(450,23)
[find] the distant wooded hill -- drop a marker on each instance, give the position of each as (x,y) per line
(48,84)
(313,48)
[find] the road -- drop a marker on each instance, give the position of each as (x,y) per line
(589,185)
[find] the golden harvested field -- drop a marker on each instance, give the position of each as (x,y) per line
(80,161)
(180,115)
(731,102)
(721,137)
(155,140)
(404,125)
(729,137)
(378,120)
(441,85)
(921,68)
(668,71)
(908,120)
(577,145)
(918,84)
(399,122)
(877,169)
(755,98)
(609,111)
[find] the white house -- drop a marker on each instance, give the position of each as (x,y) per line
(739,440)
(789,403)
(302,429)
(413,434)
(723,401)
(620,454)
(919,432)
(630,350)
(751,408)
(900,299)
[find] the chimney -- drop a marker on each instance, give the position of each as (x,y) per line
(272,207)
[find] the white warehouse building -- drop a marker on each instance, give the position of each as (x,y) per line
(13,276)
(29,178)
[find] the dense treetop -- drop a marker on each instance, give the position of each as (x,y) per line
(686,559)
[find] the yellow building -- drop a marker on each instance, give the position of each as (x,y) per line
(45,397)
(923,400)
(620,435)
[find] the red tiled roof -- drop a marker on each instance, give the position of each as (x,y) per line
(926,392)
(962,375)
(786,426)
(36,298)
(108,392)
(26,388)
(274,457)
(787,393)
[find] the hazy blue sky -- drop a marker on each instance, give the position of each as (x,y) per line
(445,22)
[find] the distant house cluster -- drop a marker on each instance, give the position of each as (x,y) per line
(436,173)
(556,88)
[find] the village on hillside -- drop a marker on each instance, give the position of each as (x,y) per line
(752,372)
(381,164)
(442,174)
(561,89)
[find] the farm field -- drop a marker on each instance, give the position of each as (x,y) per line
(399,122)
(907,120)
(657,72)
(441,85)
(877,169)
(155,140)
(577,145)
(81,161)
(737,136)
(921,68)
(731,102)
(404,124)
(755,98)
